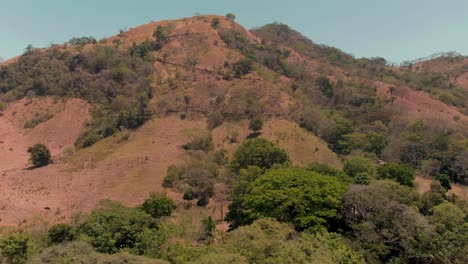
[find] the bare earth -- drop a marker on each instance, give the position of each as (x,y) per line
(118,169)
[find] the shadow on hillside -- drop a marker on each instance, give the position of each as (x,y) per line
(253,135)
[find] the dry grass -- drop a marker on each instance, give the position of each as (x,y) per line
(303,147)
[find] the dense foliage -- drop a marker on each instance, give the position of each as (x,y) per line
(258,152)
(40,155)
(301,197)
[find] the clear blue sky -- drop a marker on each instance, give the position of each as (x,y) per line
(394,29)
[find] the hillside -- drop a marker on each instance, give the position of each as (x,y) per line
(167,107)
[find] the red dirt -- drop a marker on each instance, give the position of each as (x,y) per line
(56,133)
(126,171)
(423,184)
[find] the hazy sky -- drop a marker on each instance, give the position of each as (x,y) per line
(394,29)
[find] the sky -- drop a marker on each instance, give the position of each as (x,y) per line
(396,30)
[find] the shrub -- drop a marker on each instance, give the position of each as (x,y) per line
(215,23)
(60,233)
(242,67)
(158,205)
(203,201)
(87,139)
(40,155)
(172,175)
(444,180)
(14,248)
(230,16)
(200,140)
(256,124)
(362,178)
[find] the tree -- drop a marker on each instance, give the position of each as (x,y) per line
(60,233)
(209,227)
(325,86)
(357,165)
(291,195)
(444,180)
(113,227)
(215,23)
(398,172)
(158,205)
(14,248)
(269,241)
(385,224)
(40,155)
(160,34)
(413,153)
(256,124)
(447,216)
(258,152)
(231,16)
(335,134)
(432,198)
(242,67)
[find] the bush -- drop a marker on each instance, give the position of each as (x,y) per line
(40,155)
(230,16)
(242,67)
(200,140)
(87,139)
(444,180)
(400,173)
(158,205)
(256,124)
(14,248)
(357,165)
(203,201)
(60,233)
(215,23)
(258,152)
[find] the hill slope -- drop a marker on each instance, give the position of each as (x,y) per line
(136,94)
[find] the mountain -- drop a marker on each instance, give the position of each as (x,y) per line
(123,115)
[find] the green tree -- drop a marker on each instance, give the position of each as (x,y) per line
(325,86)
(398,172)
(385,224)
(209,227)
(60,233)
(444,180)
(40,155)
(357,165)
(291,195)
(432,198)
(158,205)
(256,124)
(243,67)
(335,134)
(215,23)
(267,241)
(447,217)
(376,142)
(231,16)
(113,227)
(14,248)
(160,34)
(258,152)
